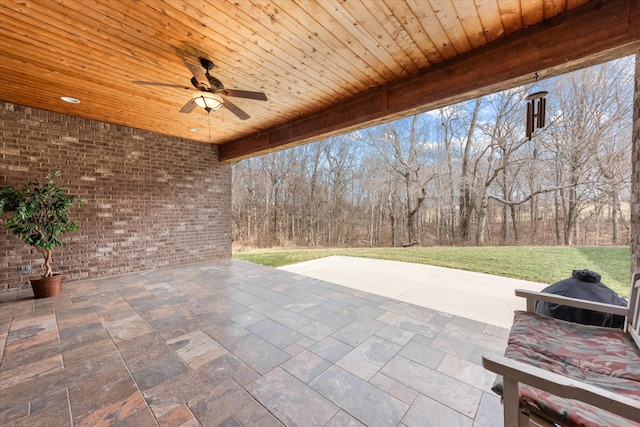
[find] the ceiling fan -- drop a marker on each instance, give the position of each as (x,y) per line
(212,94)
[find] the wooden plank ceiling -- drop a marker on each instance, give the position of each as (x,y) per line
(325,66)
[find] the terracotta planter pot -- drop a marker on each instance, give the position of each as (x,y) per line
(48,286)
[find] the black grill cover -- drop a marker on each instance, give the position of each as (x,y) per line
(583,284)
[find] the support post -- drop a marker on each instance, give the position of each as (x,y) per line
(635,174)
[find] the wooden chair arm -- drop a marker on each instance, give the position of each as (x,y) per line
(533,296)
(514,372)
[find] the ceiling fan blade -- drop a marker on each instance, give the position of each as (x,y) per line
(235,110)
(198,74)
(188,107)
(259,96)
(137,82)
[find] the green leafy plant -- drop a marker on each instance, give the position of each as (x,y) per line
(39,214)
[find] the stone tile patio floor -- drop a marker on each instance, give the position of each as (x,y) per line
(236,344)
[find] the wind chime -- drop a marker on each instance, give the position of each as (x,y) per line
(536,111)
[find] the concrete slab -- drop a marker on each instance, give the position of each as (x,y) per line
(478,296)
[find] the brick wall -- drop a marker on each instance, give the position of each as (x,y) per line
(150,200)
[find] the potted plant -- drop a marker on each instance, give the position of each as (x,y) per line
(39,216)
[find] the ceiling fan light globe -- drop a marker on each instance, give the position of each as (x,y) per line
(208,101)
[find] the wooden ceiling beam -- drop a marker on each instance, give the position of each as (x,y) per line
(593,33)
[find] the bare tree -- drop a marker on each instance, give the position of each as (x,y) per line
(460,171)
(313,203)
(403,147)
(589,115)
(340,159)
(466,177)
(504,140)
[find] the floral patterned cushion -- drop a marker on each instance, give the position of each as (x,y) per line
(599,356)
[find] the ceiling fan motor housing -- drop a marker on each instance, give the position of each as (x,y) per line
(215,83)
(207,64)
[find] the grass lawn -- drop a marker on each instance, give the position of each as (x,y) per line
(538,264)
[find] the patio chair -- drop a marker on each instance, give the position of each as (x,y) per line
(570,374)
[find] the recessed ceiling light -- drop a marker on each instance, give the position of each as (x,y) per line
(70,100)
(196,130)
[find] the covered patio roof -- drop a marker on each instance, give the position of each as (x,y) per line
(325,67)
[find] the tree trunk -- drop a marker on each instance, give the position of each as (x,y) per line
(615,201)
(47,262)
(571,217)
(533,218)
(412,232)
(514,223)
(409,208)
(482,220)
(504,228)
(466,203)
(312,218)
(393,220)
